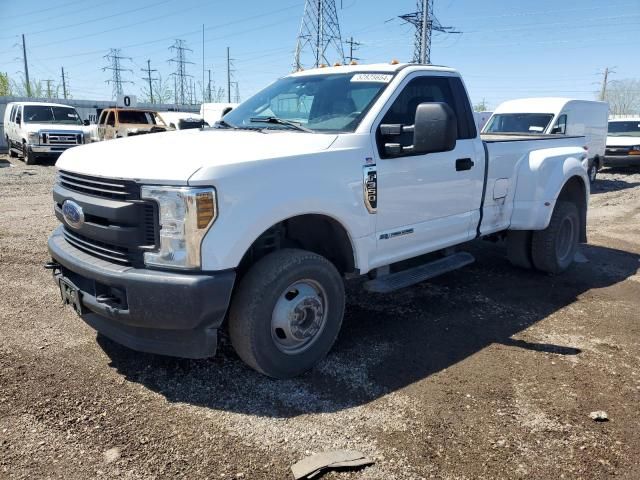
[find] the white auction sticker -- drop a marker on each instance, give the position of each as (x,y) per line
(372,77)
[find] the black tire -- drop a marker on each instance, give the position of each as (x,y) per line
(519,248)
(12,153)
(28,157)
(553,249)
(265,286)
(593,171)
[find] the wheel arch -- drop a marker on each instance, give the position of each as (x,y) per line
(318,233)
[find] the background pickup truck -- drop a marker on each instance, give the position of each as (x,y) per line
(326,174)
(128,122)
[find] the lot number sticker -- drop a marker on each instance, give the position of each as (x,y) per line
(372,77)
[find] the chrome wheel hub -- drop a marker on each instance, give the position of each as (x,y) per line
(299,316)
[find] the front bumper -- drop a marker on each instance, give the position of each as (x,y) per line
(49,150)
(621,161)
(154,311)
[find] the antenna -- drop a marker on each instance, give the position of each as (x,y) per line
(425,23)
(181,62)
(319,30)
(116,71)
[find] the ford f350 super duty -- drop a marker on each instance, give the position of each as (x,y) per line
(326,174)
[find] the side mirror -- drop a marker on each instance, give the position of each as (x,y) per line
(435,130)
(18,119)
(86,123)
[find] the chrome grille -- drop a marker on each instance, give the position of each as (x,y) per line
(98,186)
(62,139)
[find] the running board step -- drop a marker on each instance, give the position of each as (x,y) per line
(406,278)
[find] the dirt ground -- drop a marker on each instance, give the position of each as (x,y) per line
(488,372)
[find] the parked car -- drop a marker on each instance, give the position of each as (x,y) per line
(328,173)
(183,120)
(623,143)
(557,116)
(36,130)
(128,122)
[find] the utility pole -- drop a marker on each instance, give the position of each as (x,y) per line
(48,88)
(181,62)
(228,76)
(605,83)
(64,84)
(26,66)
(353,46)
(203,87)
(319,30)
(114,58)
(425,24)
(149,78)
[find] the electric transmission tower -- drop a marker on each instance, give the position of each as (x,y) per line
(116,80)
(425,23)
(180,75)
(319,33)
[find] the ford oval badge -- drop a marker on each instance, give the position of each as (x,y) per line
(72,213)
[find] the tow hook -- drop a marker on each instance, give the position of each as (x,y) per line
(54,266)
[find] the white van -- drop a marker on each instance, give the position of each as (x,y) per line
(623,143)
(557,116)
(36,130)
(212,112)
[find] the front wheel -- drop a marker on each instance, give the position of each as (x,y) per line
(593,171)
(553,249)
(28,157)
(287,312)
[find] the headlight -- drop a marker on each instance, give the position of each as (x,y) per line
(185,215)
(34,138)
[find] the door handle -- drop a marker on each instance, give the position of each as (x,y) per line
(464,164)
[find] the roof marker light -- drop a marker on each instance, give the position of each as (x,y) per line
(394,62)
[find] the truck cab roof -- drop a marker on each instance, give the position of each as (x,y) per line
(372,67)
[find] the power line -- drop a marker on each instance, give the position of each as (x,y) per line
(180,75)
(425,24)
(116,71)
(319,30)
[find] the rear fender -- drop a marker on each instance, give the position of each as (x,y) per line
(540,180)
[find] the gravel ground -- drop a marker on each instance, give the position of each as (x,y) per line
(488,372)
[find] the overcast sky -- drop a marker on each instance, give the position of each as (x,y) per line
(507,49)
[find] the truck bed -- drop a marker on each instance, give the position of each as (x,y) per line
(520,137)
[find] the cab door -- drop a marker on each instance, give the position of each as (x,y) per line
(110,126)
(427,202)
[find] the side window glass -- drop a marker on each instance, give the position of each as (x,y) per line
(12,113)
(19,115)
(417,91)
(102,118)
(111,119)
(560,127)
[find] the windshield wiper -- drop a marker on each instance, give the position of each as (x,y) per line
(281,121)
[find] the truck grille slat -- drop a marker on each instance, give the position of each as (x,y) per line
(98,186)
(95,248)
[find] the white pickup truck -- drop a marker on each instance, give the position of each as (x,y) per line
(324,175)
(38,130)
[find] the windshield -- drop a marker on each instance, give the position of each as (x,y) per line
(624,129)
(48,114)
(323,103)
(137,117)
(519,123)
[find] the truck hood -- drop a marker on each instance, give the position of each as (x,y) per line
(36,127)
(622,141)
(171,158)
